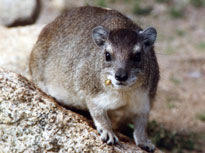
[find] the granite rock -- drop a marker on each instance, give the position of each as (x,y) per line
(31,121)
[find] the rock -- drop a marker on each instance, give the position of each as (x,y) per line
(18,12)
(16,45)
(31,121)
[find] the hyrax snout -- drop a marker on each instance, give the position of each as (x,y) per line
(99,60)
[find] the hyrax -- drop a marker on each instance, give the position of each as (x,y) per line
(99,60)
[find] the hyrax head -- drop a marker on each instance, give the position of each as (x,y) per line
(124,55)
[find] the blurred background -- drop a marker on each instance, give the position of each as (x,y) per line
(177,120)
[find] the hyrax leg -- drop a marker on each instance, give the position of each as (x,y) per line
(140,134)
(102,123)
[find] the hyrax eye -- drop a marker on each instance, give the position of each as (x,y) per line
(107,56)
(137,57)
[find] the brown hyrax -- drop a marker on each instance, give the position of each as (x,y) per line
(99,60)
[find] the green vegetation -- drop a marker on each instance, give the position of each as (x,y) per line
(171,101)
(128,1)
(170,50)
(139,10)
(180,33)
(131,126)
(163,1)
(138,7)
(142,11)
(176,12)
(102,3)
(176,9)
(113,1)
(198,3)
(171,105)
(175,80)
(201,116)
(172,141)
(201,46)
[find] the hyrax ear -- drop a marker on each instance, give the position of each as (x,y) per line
(149,36)
(100,35)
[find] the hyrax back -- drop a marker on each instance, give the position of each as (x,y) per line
(85,47)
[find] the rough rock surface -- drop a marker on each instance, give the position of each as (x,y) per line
(31,121)
(18,12)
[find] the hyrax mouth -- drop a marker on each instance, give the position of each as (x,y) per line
(109,82)
(121,84)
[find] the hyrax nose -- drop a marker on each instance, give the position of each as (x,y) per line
(121,75)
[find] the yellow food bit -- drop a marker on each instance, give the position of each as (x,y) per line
(108,82)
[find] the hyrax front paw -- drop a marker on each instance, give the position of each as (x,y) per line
(108,136)
(148,146)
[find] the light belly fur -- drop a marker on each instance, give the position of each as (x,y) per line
(121,105)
